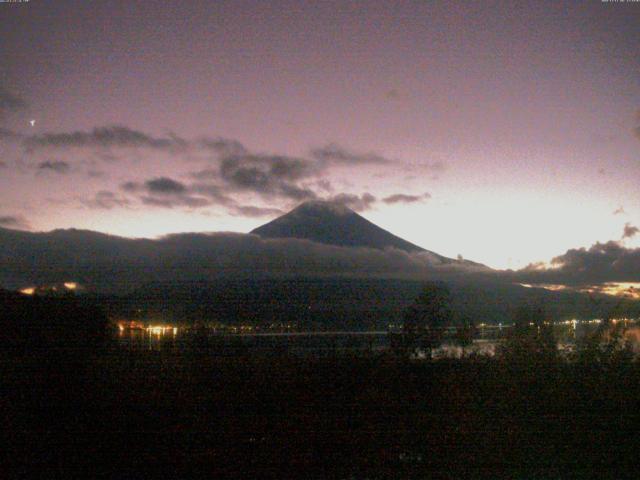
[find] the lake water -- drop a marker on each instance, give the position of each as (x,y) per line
(321,344)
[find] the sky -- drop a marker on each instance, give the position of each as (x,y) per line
(504,132)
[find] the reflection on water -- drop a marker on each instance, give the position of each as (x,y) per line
(151,336)
(132,335)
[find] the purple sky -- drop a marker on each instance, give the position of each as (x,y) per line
(501,131)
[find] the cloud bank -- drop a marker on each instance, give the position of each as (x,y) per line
(402,198)
(114,264)
(14,221)
(105,137)
(601,263)
(57,166)
(233,177)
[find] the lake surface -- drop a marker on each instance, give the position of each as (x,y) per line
(319,344)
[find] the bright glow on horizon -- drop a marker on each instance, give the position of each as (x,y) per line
(508,231)
(546,286)
(615,289)
(626,289)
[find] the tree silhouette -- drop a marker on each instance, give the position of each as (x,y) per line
(465,333)
(426,318)
(531,339)
(607,345)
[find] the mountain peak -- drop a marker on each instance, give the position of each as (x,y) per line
(322,207)
(332,223)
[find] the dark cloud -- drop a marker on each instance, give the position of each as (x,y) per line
(296,193)
(354,202)
(13,221)
(403,198)
(336,154)
(266,174)
(10,102)
(165,186)
(212,191)
(180,200)
(111,136)
(258,169)
(231,170)
(108,263)
(244,177)
(106,200)
(333,154)
(160,186)
(120,136)
(269,175)
(252,211)
(166,193)
(131,187)
(603,262)
(222,146)
(57,166)
(206,174)
(289,168)
(630,231)
(325,185)
(228,151)
(288,178)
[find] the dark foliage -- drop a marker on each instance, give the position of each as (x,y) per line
(425,320)
(44,324)
(181,415)
(531,339)
(209,410)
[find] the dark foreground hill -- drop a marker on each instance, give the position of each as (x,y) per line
(245,278)
(342,303)
(187,414)
(106,263)
(64,325)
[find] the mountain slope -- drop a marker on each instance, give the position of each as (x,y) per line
(334,224)
(237,277)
